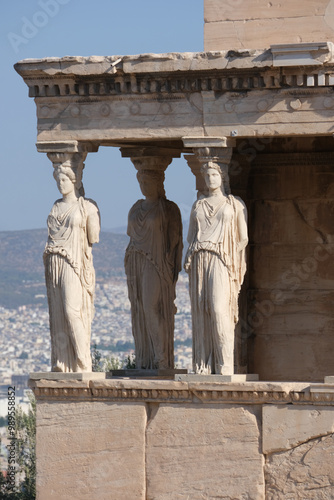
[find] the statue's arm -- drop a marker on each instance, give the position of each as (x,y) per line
(175,238)
(242,224)
(93,223)
(192,226)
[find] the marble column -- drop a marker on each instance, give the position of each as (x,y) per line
(153,261)
(73,228)
(214,153)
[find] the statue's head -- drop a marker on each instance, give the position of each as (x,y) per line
(152,183)
(225,181)
(73,172)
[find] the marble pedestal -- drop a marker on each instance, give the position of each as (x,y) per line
(118,438)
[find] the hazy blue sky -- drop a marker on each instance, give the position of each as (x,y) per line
(82,27)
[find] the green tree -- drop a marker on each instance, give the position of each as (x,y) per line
(110,363)
(25,435)
(26,440)
(130,362)
(96,360)
(3,421)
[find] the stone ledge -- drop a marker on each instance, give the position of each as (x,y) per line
(303,54)
(220,71)
(141,63)
(60,376)
(322,389)
(192,377)
(168,391)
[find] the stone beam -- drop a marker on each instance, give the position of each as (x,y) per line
(115,100)
(66,147)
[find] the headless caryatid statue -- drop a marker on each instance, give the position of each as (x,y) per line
(216,265)
(73,227)
(152,263)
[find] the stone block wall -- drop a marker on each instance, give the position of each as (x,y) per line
(257,24)
(288,186)
(159,440)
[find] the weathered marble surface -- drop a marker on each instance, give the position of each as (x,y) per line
(164,439)
(305,472)
(286,427)
(215,262)
(112,100)
(90,451)
(204,452)
(152,264)
(241,24)
(73,228)
(291,272)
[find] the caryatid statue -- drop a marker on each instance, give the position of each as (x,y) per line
(73,227)
(153,260)
(215,263)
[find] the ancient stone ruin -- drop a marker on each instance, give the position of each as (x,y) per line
(258,103)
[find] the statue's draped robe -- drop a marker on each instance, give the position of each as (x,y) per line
(216,270)
(152,263)
(70,281)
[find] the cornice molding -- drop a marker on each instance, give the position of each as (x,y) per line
(221,82)
(226,71)
(182,392)
(231,94)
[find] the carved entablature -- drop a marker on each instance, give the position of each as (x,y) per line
(180,392)
(119,100)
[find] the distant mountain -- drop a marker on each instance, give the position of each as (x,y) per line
(109,254)
(115,230)
(123,229)
(22,270)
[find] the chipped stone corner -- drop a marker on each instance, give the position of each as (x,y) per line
(306,471)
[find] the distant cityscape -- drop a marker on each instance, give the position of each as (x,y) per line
(25,333)
(24,328)
(25,336)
